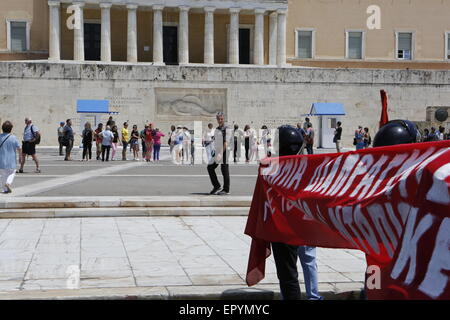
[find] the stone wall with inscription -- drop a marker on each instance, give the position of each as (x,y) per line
(177,95)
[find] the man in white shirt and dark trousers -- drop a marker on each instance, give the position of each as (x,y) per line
(222,137)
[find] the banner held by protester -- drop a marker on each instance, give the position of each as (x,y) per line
(393,203)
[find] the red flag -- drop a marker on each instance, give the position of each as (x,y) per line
(392,203)
(384,109)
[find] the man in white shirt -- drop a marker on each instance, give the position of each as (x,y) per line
(30,135)
(107,138)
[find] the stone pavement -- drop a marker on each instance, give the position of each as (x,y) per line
(147,257)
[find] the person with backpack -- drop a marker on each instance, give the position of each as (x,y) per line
(8,158)
(31,137)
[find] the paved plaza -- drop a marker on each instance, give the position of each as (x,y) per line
(157,257)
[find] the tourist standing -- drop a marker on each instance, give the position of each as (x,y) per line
(208,139)
(266,140)
(98,140)
(142,136)
(433,136)
(9,146)
(306,123)
(178,145)
(87,137)
(367,138)
(426,135)
(186,145)
(440,133)
(111,123)
(222,139)
(309,138)
(149,143)
(125,139)
(237,147)
(254,154)
(115,141)
(107,139)
(60,137)
(134,143)
(303,134)
(247,143)
(172,135)
(338,136)
(68,139)
(359,138)
(31,136)
(157,144)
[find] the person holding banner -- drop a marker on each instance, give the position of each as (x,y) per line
(290,142)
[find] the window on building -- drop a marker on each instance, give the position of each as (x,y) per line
(18,36)
(304,44)
(404,45)
(355,45)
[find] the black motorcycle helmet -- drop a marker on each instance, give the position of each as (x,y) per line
(288,141)
(396,132)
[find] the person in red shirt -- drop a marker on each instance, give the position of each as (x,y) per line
(157,144)
(148,136)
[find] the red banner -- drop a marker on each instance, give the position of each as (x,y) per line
(393,203)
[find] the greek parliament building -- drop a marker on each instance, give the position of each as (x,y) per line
(259,61)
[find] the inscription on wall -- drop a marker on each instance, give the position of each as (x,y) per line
(189,104)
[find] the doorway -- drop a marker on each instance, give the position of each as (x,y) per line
(92,41)
(244,45)
(170,45)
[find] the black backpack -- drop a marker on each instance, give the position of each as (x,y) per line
(36,135)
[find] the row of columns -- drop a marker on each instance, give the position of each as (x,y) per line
(277,35)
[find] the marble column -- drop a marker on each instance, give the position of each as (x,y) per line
(273,38)
(281,41)
(132,54)
(158,34)
(78,37)
(258,51)
(106,32)
(55,31)
(233,50)
(209,35)
(183,35)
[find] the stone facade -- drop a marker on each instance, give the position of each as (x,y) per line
(48,92)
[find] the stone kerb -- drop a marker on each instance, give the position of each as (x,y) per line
(93,71)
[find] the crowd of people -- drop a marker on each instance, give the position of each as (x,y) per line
(146,143)
(435,135)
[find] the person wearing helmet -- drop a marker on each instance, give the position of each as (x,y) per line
(288,142)
(397,132)
(393,133)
